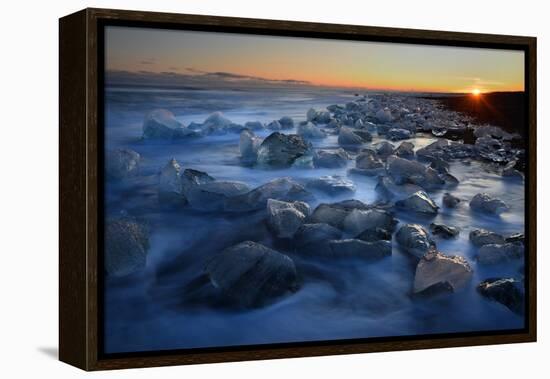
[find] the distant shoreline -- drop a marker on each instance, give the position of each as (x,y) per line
(504,109)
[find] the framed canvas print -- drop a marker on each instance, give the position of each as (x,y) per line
(236,189)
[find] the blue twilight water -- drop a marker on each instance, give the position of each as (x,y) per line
(337,299)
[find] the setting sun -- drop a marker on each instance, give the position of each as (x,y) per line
(476,92)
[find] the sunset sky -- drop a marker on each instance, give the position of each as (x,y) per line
(196,56)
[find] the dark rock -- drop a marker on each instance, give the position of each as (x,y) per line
(281,150)
(435,267)
(349,137)
(517,237)
(383,149)
(286,122)
(126,246)
(212,196)
(507,291)
(500,253)
(285,218)
(418,202)
(480,237)
(254,125)
(330,158)
(358,220)
(405,171)
(450,201)
(444,231)
(415,240)
(274,125)
(367,161)
(332,185)
(374,234)
(405,150)
(485,203)
(435,290)
(251,275)
(314,233)
(191,178)
(284,189)
(391,191)
(334,214)
(309,130)
(354,248)
(396,134)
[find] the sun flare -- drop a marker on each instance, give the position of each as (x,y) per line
(476,92)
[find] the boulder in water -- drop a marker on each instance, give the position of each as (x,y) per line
(126,246)
(436,267)
(281,150)
(170,188)
(374,234)
(355,248)
(483,202)
(191,178)
(309,130)
(254,125)
(418,202)
(334,214)
(415,240)
(506,291)
(391,191)
(122,163)
(499,253)
(358,220)
(480,237)
(216,123)
(405,150)
(285,218)
(332,185)
(212,196)
(444,231)
(315,238)
(383,149)
(396,134)
(249,145)
(274,125)
(384,116)
(250,274)
(160,124)
(330,158)
(406,171)
(450,201)
(286,122)
(349,137)
(284,189)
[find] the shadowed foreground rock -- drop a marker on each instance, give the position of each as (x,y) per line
(507,291)
(126,246)
(355,248)
(250,274)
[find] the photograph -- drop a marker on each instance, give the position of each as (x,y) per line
(271,190)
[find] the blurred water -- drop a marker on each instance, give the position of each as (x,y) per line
(338,299)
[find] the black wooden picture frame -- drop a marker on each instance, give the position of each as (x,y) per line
(81,180)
